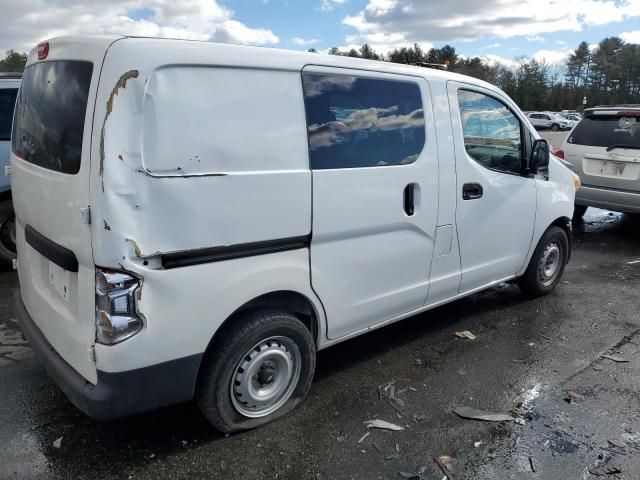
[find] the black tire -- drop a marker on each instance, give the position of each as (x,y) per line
(555,127)
(7,235)
(535,282)
(579,211)
(234,344)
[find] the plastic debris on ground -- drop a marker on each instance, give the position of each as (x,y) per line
(465,334)
(615,358)
(383,425)
(473,414)
(57,442)
(445,462)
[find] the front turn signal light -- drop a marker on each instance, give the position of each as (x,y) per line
(576,181)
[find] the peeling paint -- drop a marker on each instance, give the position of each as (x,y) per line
(106,225)
(120,157)
(135,247)
(121,83)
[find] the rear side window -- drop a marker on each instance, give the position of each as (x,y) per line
(606,130)
(50,114)
(7,103)
(362,122)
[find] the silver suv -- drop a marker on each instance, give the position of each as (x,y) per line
(548,120)
(604,150)
(9,85)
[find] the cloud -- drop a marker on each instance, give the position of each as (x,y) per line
(328,5)
(553,57)
(631,37)
(304,42)
(493,59)
(26,22)
(468,20)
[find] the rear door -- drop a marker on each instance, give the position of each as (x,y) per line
(373,157)
(50,180)
(598,148)
(496,206)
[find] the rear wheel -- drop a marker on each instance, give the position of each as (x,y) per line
(547,263)
(7,234)
(555,127)
(259,369)
(579,211)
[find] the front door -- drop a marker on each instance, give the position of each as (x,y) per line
(373,156)
(496,203)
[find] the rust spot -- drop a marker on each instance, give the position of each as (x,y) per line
(121,83)
(136,248)
(106,225)
(120,157)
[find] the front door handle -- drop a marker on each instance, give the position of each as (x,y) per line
(409,199)
(472,191)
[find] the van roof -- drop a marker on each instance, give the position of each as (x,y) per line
(293,59)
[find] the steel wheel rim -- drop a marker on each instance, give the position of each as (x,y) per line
(266,377)
(549,265)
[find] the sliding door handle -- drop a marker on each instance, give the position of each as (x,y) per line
(409,199)
(472,191)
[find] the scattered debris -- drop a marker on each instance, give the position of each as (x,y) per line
(465,334)
(364,436)
(517,360)
(598,368)
(477,444)
(412,476)
(519,421)
(341,438)
(633,262)
(383,425)
(57,442)
(445,463)
(616,442)
(571,396)
(393,456)
(418,361)
(387,393)
(605,470)
(419,418)
(473,414)
(615,358)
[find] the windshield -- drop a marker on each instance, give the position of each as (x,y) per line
(606,130)
(50,114)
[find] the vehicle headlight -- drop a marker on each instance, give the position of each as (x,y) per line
(116,314)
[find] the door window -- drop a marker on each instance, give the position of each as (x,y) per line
(492,134)
(7,103)
(362,122)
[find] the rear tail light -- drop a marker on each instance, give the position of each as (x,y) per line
(116,314)
(43,50)
(559,154)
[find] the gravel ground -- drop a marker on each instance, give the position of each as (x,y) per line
(539,360)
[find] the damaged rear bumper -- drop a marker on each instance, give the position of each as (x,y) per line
(116,394)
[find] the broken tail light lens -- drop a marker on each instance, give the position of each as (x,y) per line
(116,315)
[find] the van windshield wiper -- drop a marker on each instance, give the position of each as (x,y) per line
(622,145)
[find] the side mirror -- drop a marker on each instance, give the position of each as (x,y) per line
(539,159)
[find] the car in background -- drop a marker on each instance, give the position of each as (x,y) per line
(9,85)
(552,121)
(604,150)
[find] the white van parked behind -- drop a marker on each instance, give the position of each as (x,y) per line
(197,220)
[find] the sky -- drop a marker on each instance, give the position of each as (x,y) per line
(497,30)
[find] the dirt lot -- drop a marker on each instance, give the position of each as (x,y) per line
(540,360)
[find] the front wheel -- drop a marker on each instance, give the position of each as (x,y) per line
(259,369)
(547,263)
(555,127)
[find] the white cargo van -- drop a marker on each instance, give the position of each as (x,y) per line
(197,220)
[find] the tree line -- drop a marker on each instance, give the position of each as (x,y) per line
(606,74)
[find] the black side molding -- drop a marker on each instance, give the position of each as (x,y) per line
(218,254)
(58,254)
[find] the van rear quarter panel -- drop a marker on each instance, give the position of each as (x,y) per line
(195,148)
